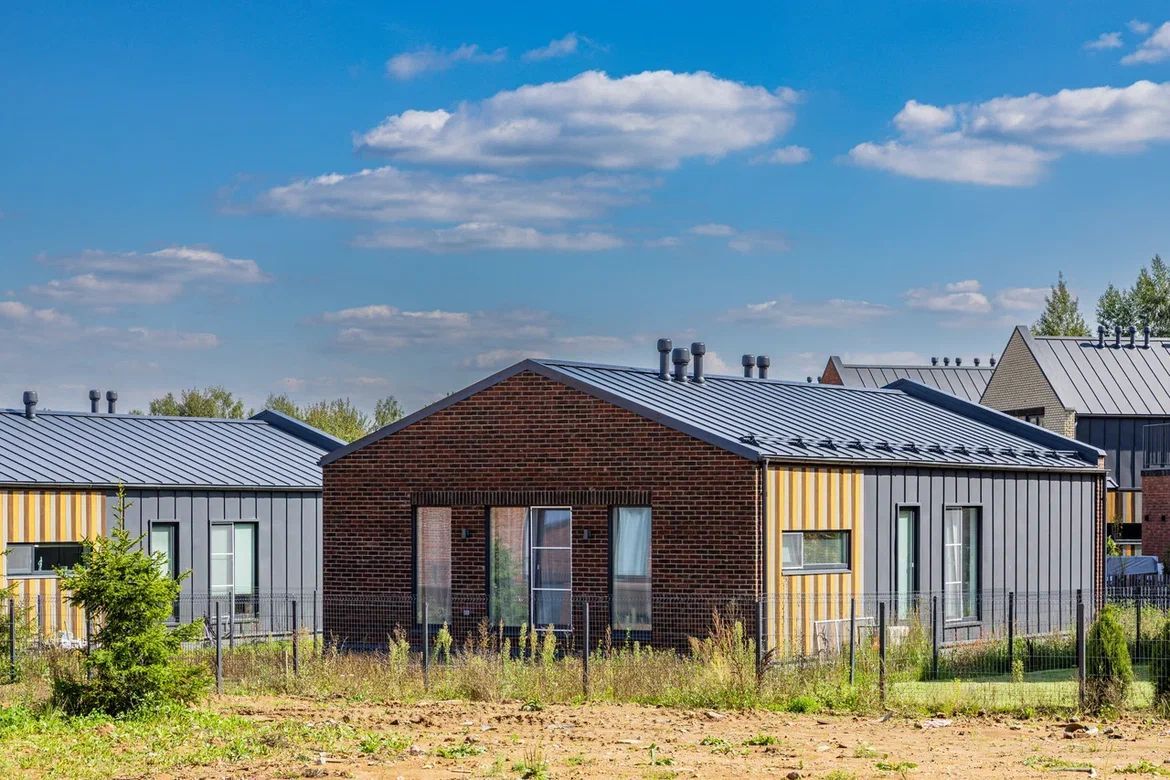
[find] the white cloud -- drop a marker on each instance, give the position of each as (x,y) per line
(1106,40)
(759,241)
(476,236)
(1138,27)
(788,312)
(559,47)
(1008,141)
(785,155)
(664,242)
(714,364)
(148,338)
(19,313)
(410,64)
(962,297)
(713,229)
(1022,298)
(646,120)
(390,194)
(891,358)
(106,279)
(1156,48)
(384,327)
(500,358)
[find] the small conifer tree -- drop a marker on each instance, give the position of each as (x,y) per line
(1109,672)
(1062,314)
(134,660)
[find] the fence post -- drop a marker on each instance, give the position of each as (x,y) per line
(88,670)
(934,632)
(852,638)
(1011,627)
(882,652)
(12,639)
(40,616)
(426,637)
(314,623)
(1080,650)
(231,619)
(759,641)
(296,630)
(218,650)
(585,657)
(1137,641)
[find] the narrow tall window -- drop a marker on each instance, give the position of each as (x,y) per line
(233,564)
(164,538)
(961,535)
(906,559)
(433,563)
(552,567)
(530,573)
(631,569)
(508,565)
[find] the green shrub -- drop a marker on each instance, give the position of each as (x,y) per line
(1108,673)
(133,663)
(1160,667)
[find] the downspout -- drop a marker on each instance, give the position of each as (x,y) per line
(762,556)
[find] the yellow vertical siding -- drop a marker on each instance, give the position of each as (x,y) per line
(1123,506)
(48,516)
(810,499)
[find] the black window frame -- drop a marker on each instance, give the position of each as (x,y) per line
(635,634)
(817,568)
(40,573)
(414,568)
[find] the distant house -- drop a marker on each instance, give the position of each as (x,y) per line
(238,502)
(1102,390)
(652,494)
(966,381)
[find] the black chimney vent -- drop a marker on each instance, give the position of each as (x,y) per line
(30,404)
(946,361)
(976,362)
(1100,336)
(1132,335)
(681,357)
(95,398)
(934,361)
(111,401)
(1145,336)
(991,360)
(698,349)
(1116,335)
(664,347)
(748,362)
(762,363)
(958,361)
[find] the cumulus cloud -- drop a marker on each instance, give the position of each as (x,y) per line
(150,338)
(785,155)
(500,358)
(1008,141)
(385,327)
(20,313)
(788,312)
(409,64)
(713,229)
(891,358)
(1022,298)
(559,47)
(1138,27)
(965,297)
(653,119)
(110,278)
(475,236)
(1106,40)
(1156,48)
(744,241)
(390,194)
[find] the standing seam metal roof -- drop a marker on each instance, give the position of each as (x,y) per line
(1111,381)
(74,448)
(967,382)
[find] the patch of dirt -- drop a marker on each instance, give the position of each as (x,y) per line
(599,740)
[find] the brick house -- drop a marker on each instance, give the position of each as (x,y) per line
(655,496)
(1104,391)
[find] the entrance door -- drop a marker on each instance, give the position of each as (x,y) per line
(906,560)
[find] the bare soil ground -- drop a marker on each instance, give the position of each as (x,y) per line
(596,740)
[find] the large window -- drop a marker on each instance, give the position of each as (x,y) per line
(42,559)
(530,566)
(961,563)
(631,568)
(815,551)
(432,546)
(233,565)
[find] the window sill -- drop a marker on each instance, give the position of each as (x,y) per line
(800,572)
(962,623)
(40,575)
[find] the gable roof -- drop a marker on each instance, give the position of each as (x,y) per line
(967,382)
(765,419)
(78,449)
(1104,380)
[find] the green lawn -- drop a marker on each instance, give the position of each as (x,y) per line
(1055,688)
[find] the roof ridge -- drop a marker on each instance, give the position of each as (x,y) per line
(129,416)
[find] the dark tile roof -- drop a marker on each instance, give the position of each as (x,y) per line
(772,419)
(966,382)
(78,449)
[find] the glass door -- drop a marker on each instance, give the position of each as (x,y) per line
(906,560)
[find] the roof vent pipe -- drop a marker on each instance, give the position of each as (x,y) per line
(1116,335)
(1100,336)
(1145,337)
(762,363)
(698,349)
(30,404)
(976,362)
(681,357)
(946,361)
(748,362)
(934,361)
(94,399)
(991,360)
(664,346)
(1132,334)
(111,401)
(958,361)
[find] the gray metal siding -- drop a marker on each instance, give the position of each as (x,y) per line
(1121,438)
(1037,536)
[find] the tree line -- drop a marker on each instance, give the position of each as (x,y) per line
(338,416)
(1146,303)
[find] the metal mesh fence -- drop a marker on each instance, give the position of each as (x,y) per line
(995,649)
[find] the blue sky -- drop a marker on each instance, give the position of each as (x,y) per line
(355,199)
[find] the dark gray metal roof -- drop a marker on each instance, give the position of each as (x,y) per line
(764,419)
(966,382)
(73,448)
(1115,381)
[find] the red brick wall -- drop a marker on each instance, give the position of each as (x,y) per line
(530,433)
(830,376)
(1156,513)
